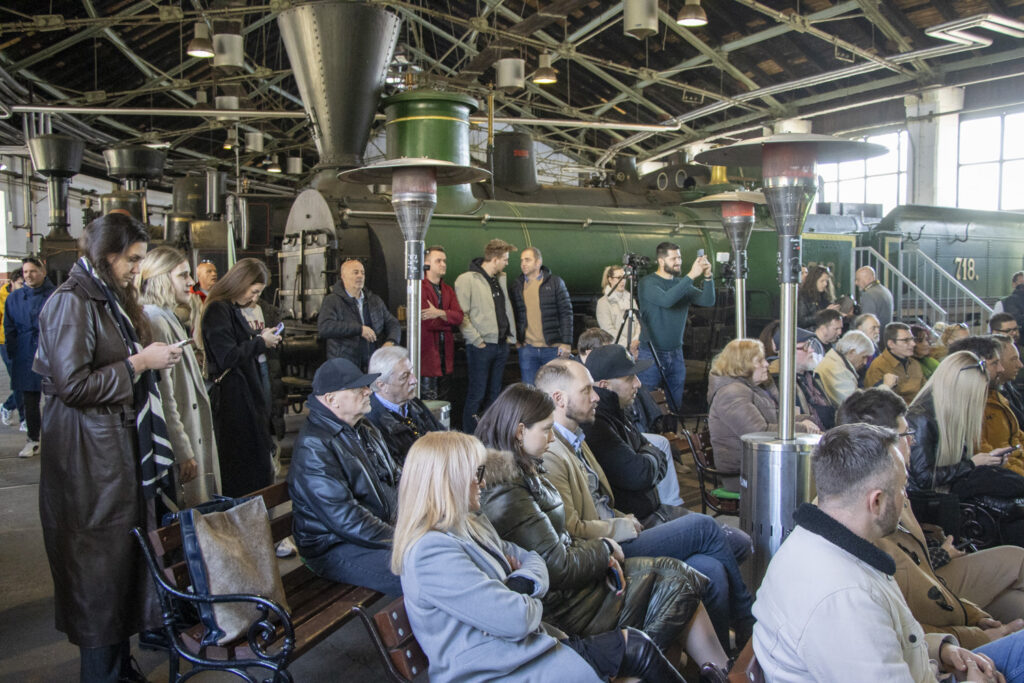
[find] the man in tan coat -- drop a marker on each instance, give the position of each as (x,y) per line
(897,360)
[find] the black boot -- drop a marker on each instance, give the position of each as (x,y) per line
(642,659)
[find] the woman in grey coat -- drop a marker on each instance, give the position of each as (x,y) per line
(166,283)
(474,600)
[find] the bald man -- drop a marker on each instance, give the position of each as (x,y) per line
(355,321)
(874,297)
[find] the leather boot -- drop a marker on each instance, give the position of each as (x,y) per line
(642,659)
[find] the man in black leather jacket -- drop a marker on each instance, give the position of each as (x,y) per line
(395,411)
(344,484)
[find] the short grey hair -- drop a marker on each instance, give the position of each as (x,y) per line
(384,360)
(855,341)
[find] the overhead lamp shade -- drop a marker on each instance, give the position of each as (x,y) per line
(231,141)
(545,73)
(201,46)
(511,73)
(254,142)
(275,166)
(228,50)
(640,18)
(294,165)
(692,15)
(225,102)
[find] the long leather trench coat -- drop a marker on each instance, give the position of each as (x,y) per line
(90,495)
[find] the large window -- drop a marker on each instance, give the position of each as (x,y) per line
(990,169)
(881,180)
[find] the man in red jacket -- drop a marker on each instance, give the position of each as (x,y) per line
(442,315)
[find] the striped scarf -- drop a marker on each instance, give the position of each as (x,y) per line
(155,454)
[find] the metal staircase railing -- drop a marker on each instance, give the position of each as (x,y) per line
(960,303)
(910,302)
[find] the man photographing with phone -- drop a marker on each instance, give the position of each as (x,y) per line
(665,299)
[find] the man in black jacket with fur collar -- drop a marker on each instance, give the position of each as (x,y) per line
(344,484)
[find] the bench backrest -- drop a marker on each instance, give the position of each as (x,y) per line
(392,634)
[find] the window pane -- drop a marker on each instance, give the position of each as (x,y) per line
(851,191)
(831,192)
(903,188)
(884,190)
(1013,137)
(978,187)
(888,162)
(1013,186)
(851,169)
(904,151)
(829,172)
(979,140)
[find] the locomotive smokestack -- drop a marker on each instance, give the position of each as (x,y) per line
(339,52)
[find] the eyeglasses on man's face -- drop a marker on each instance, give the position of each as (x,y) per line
(903,340)
(909,436)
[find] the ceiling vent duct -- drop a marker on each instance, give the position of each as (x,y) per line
(57,158)
(511,73)
(640,18)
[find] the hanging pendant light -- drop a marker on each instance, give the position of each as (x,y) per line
(274,166)
(201,46)
(545,73)
(692,15)
(231,141)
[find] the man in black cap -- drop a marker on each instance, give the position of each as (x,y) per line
(344,484)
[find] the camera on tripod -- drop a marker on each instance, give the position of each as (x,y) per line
(632,263)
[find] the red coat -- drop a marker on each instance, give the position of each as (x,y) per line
(430,354)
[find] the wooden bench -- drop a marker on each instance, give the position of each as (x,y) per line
(391,633)
(318,606)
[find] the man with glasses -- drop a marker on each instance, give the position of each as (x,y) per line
(344,484)
(811,398)
(943,586)
(394,409)
(1000,427)
(897,359)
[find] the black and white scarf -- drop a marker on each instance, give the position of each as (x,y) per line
(155,454)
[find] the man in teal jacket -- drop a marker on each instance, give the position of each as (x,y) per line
(665,300)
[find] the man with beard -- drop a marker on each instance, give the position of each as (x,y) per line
(664,300)
(828,608)
(810,394)
(1000,427)
(590,511)
(343,483)
(441,316)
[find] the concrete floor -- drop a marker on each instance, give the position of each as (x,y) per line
(33,651)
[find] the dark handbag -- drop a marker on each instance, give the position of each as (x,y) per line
(990,481)
(940,509)
(213,390)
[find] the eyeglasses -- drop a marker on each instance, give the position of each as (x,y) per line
(1009,330)
(480,475)
(980,365)
(899,340)
(909,436)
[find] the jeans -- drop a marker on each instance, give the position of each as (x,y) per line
(351,563)
(697,540)
(14,400)
(531,358)
(1008,655)
(486,367)
(675,372)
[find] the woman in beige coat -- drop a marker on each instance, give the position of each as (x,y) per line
(166,283)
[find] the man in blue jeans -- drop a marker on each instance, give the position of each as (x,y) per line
(488,326)
(590,511)
(543,315)
(664,300)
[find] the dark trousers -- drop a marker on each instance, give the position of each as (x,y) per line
(33,418)
(486,367)
(359,566)
(14,400)
(103,664)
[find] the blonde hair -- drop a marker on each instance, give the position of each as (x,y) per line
(958,393)
(156,286)
(433,494)
(737,358)
(606,276)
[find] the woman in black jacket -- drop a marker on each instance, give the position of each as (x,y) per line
(660,596)
(241,408)
(816,293)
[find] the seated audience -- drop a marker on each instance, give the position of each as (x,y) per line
(474,600)
(923,349)
(662,595)
(767,337)
(811,399)
(828,608)
(934,576)
(590,505)
(985,348)
(827,328)
(895,366)
(838,370)
(343,483)
(743,399)
(398,415)
(869,325)
(592,338)
(946,418)
(1011,368)
(999,427)
(948,333)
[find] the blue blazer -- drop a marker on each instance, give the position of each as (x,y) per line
(471,626)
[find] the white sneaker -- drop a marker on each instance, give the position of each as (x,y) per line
(6,416)
(23,427)
(31,449)
(286,548)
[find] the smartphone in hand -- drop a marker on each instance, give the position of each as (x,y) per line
(184,342)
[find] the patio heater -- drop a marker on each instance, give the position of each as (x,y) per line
(414,182)
(775,473)
(737,221)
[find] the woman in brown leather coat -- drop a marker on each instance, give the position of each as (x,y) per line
(100,471)
(661,595)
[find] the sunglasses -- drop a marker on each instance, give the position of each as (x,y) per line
(480,475)
(980,365)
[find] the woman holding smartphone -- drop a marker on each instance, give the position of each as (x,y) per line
(166,282)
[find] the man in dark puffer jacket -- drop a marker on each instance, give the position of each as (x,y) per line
(343,483)
(543,315)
